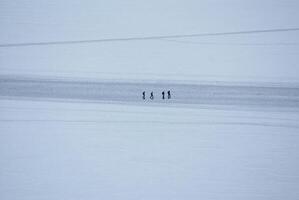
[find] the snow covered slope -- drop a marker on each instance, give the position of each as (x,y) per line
(73,124)
(74,150)
(258,57)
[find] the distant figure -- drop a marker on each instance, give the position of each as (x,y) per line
(143,95)
(163,95)
(168,94)
(152,96)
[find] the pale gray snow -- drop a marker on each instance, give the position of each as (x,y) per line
(73,124)
(84,150)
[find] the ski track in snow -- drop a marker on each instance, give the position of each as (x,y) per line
(131,92)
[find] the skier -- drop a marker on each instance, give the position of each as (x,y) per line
(163,95)
(143,95)
(152,96)
(168,94)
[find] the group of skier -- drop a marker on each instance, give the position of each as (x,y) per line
(152,95)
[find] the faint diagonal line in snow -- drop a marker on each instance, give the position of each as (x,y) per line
(156,37)
(156,122)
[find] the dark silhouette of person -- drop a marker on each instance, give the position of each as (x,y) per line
(163,95)
(143,95)
(168,94)
(152,96)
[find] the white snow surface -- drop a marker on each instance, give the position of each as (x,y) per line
(64,149)
(74,126)
(254,57)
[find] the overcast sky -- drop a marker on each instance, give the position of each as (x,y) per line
(258,56)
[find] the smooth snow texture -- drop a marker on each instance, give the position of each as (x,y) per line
(73,124)
(64,150)
(254,57)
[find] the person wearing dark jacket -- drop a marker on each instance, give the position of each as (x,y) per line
(168,94)
(152,96)
(163,95)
